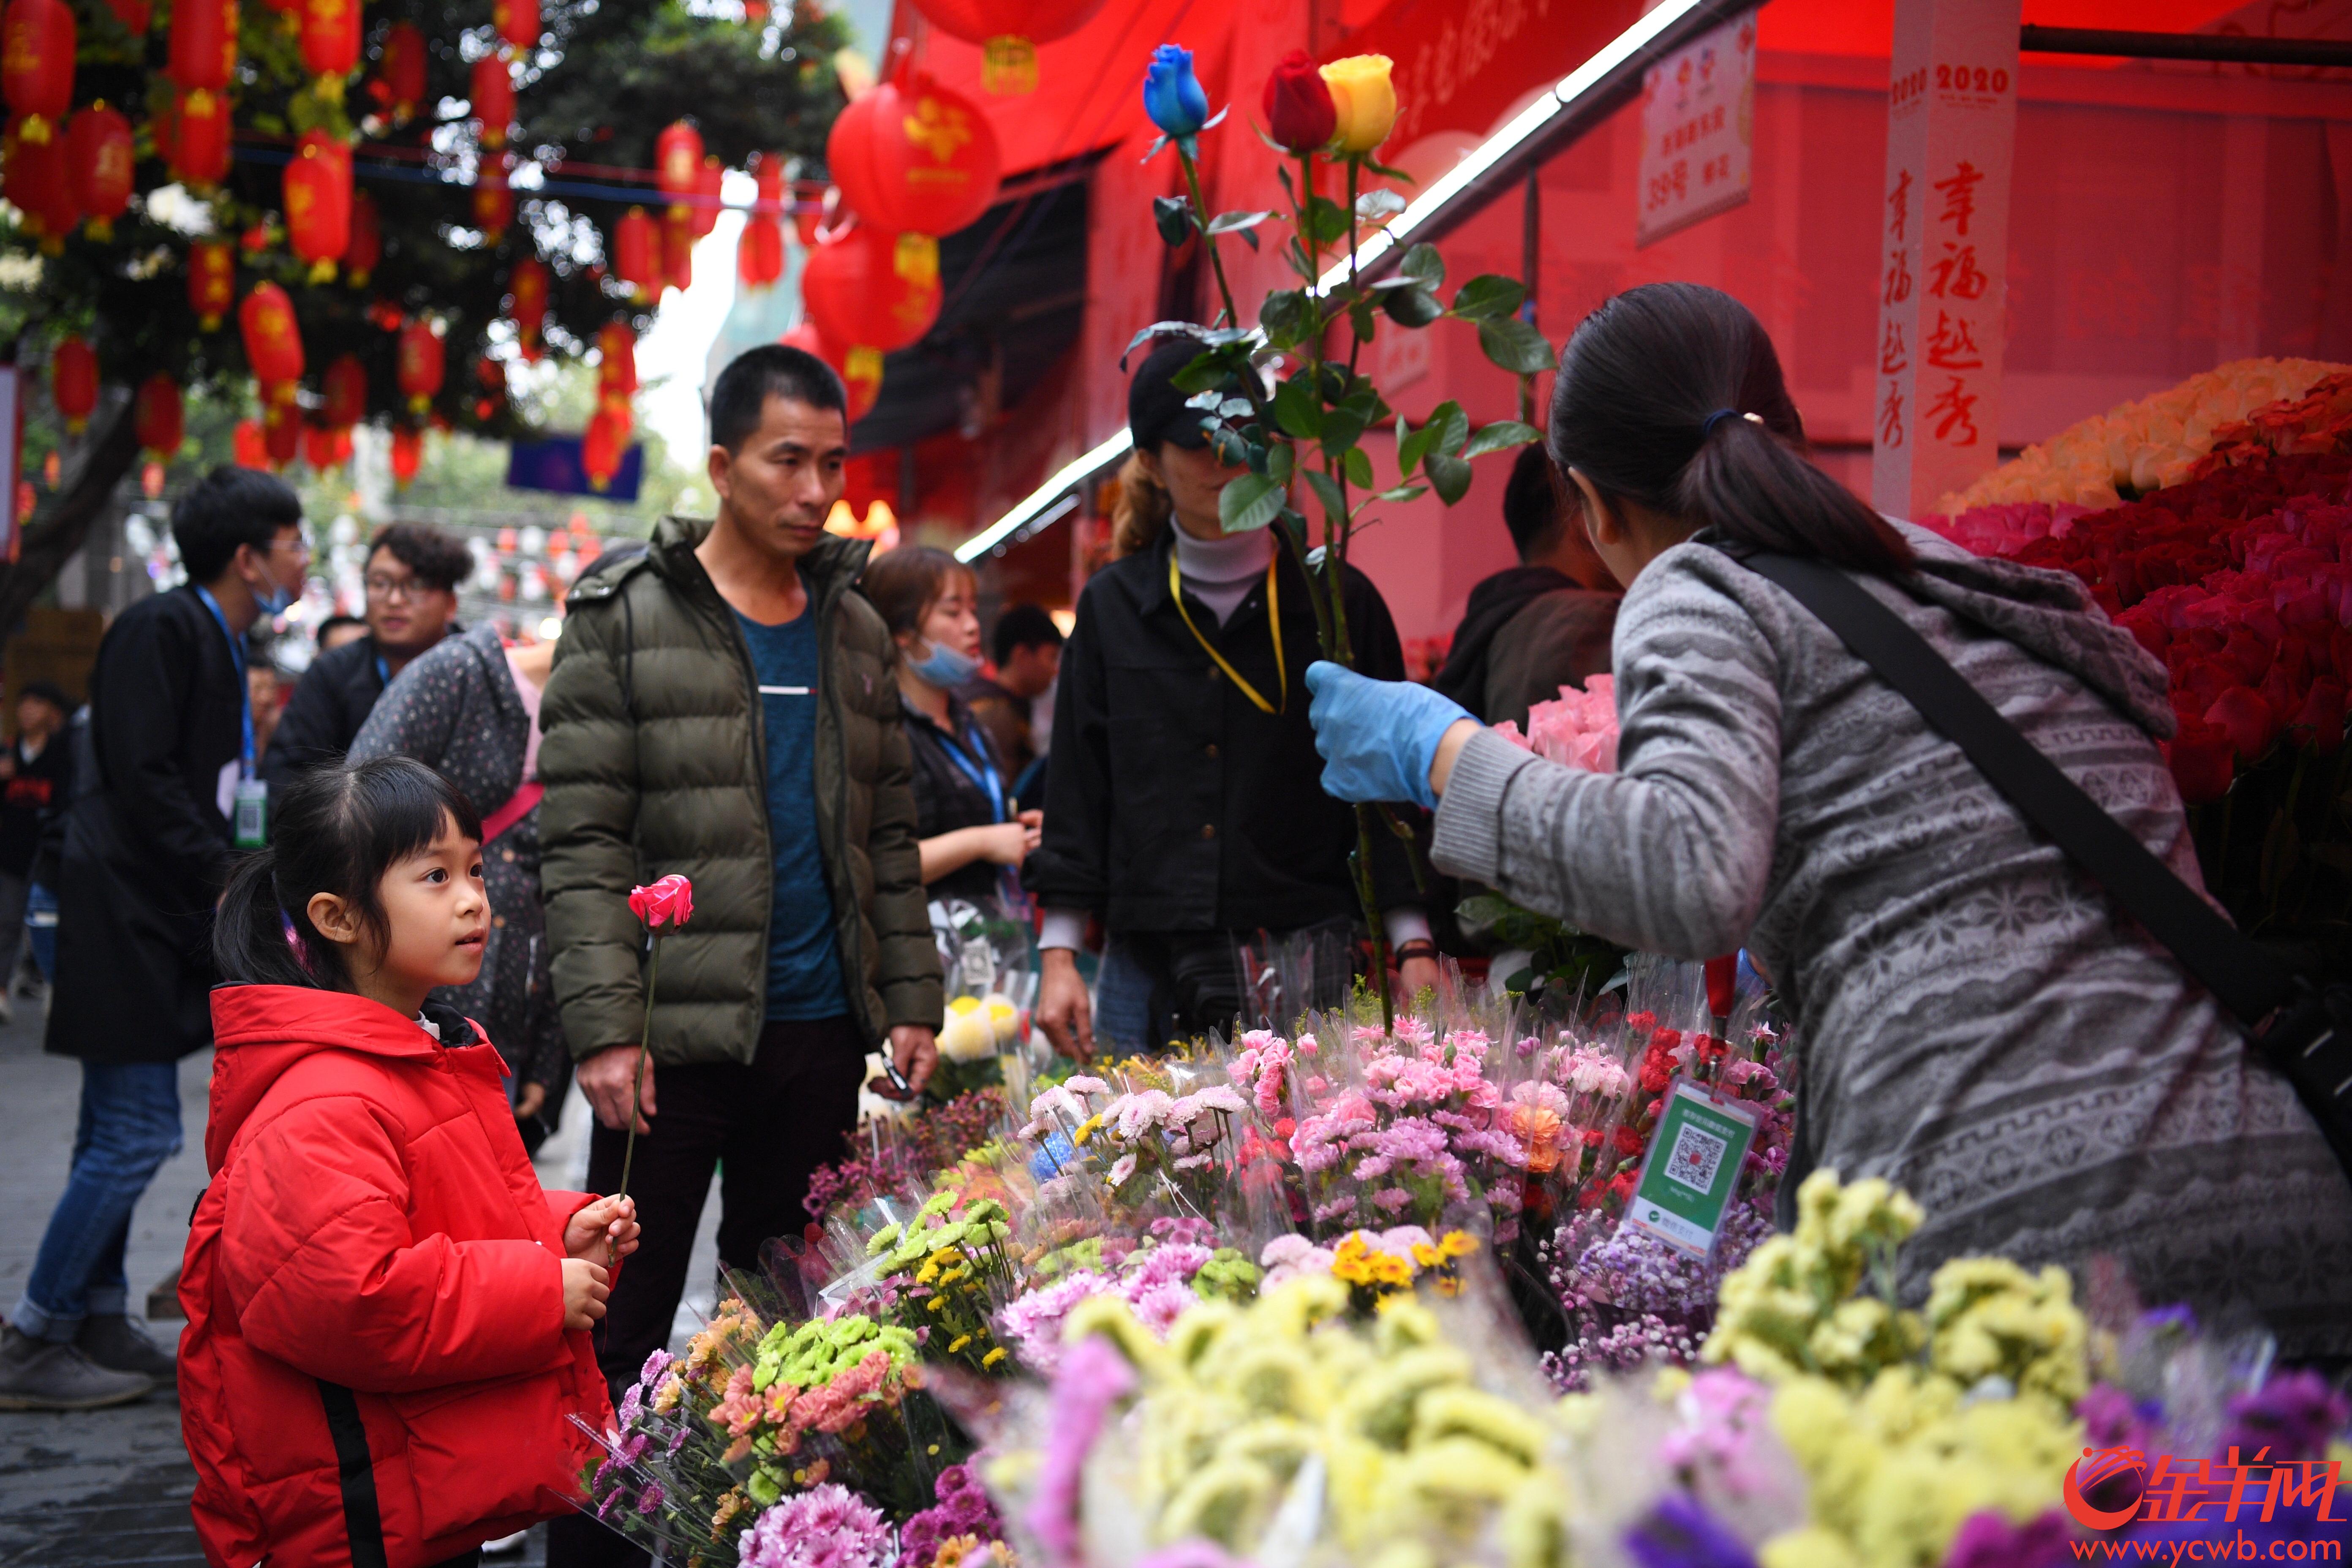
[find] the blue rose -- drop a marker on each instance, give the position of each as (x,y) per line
(1172,95)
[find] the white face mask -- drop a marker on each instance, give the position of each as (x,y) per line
(943,667)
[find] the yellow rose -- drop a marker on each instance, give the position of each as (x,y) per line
(1366,100)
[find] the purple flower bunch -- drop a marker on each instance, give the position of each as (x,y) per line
(1155,1281)
(828,1526)
(1630,1298)
(961,1513)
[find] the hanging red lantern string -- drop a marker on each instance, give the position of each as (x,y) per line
(136,16)
(637,261)
(910,155)
(212,281)
(1009,32)
(73,381)
(399,84)
(868,285)
(494,100)
(860,369)
(492,377)
(36,66)
(249,447)
(604,446)
(318,185)
(273,341)
(711,187)
(493,196)
(193,137)
(366,247)
(281,428)
(517,21)
(203,46)
(99,151)
(346,388)
(407,453)
(677,165)
(420,362)
(319,447)
(39,177)
(616,372)
(678,248)
(330,44)
(760,253)
(527,303)
(155,415)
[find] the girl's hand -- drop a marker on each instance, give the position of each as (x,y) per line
(585,1286)
(531,1101)
(1006,843)
(1034,821)
(605,1230)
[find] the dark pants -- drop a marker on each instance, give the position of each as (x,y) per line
(767,1126)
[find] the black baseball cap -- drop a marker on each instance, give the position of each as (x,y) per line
(1155,404)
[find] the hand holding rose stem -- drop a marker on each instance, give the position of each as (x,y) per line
(670,900)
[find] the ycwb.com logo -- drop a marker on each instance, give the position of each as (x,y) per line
(2289,1506)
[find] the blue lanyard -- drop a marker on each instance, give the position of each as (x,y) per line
(979,771)
(237,655)
(383,671)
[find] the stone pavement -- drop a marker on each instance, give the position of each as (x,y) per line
(111,1487)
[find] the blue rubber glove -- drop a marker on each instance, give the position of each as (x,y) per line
(1377,737)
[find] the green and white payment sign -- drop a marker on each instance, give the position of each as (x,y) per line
(1691,1169)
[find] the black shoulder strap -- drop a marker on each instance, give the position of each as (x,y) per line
(355,1469)
(2245,977)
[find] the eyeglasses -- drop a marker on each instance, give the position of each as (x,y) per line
(391,588)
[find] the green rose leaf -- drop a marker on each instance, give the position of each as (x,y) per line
(1358,464)
(1230,223)
(1161,330)
(1402,492)
(1411,306)
(1298,410)
(1234,407)
(1287,317)
(1452,428)
(1326,490)
(1450,476)
(1517,346)
(1343,426)
(1359,320)
(1327,220)
(1281,461)
(1372,206)
(1489,296)
(1172,215)
(1501,435)
(1248,502)
(1423,265)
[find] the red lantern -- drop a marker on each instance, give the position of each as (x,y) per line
(678,247)
(319,200)
(345,385)
(273,341)
(73,381)
(493,197)
(755,14)
(710,189)
(494,99)
(39,177)
(136,16)
(910,155)
(400,69)
(635,261)
(527,302)
(517,21)
(250,447)
(281,429)
(331,43)
(860,369)
(407,453)
(155,415)
(677,165)
(1009,32)
(212,281)
(98,150)
(366,247)
(421,357)
(197,151)
(617,376)
(872,287)
(36,66)
(203,44)
(759,254)
(319,447)
(605,443)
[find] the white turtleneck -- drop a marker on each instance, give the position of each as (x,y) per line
(1219,572)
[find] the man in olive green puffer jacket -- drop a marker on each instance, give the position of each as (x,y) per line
(723,706)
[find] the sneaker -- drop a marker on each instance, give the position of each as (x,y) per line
(116,1342)
(44,1374)
(507,1545)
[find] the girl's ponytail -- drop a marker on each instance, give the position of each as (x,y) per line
(250,945)
(1671,396)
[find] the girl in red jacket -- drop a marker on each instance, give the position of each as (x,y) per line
(387,1318)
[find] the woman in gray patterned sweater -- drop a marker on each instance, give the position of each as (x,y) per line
(1975,1021)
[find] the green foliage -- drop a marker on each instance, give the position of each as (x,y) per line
(1561,957)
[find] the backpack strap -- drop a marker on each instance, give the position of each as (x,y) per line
(355,1470)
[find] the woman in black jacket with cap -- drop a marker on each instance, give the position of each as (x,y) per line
(1183,802)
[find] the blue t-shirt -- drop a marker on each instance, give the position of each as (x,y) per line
(804,964)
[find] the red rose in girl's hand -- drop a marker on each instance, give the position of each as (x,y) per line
(2201,761)
(1300,111)
(2241,714)
(670,898)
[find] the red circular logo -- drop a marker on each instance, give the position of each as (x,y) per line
(2104,1487)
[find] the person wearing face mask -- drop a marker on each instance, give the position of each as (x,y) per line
(146,853)
(965,824)
(1181,802)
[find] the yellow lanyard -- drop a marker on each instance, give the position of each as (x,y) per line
(1274,618)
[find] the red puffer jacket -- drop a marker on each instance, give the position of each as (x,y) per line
(373,1277)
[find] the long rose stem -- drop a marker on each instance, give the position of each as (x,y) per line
(638,1090)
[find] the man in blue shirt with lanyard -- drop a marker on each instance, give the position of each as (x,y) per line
(148,847)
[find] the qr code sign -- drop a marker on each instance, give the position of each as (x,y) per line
(1697,1154)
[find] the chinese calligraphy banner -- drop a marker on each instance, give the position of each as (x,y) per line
(1943,249)
(1698,122)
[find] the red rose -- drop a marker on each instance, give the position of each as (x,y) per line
(2241,714)
(1299,112)
(2202,760)
(1629,1141)
(2319,722)
(670,898)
